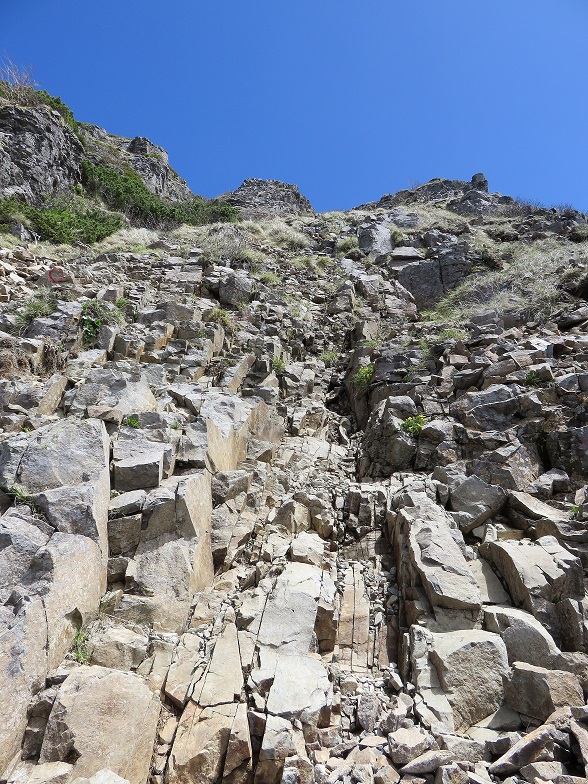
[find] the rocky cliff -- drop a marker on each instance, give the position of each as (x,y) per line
(335,465)
(40,155)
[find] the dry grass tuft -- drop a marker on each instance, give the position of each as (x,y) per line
(531,285)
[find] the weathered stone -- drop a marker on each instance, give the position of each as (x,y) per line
(118,648)
(103,717)
(525,638)
(64,467)
(406,745)
(368,711)
(538,692)
(40,155)
(201,744)
(224,679)
(470,666)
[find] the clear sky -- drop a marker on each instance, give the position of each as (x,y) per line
(349,100)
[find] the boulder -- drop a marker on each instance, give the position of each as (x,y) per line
(103,718)
(477,499)
(435,556)
(525,637)
(405,745)
(470,666)
(538,692)
(200,744)
(64,467)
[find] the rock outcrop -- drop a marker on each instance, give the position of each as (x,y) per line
(40,156)
(268,198)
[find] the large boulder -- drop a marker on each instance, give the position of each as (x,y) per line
(538,692)
(64,468)
(103,718)
(525,637)
(542,577)
(433,554)
(470,666)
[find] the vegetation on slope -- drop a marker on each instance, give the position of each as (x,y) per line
(127,193)
(60,220)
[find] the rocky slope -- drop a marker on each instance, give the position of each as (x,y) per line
(245,458)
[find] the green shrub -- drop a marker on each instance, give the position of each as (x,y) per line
(95,314)
(220,316)
(63,224)
(363,377)
(414,424)
(126,192)
(61,220)
(132,422)
(279,366)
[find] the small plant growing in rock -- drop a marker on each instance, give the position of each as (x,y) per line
(132,422)
(363,377)
(452,333)
(329,357)
(346,244)
(279,366)
(220,316)
(80,651)
(397,236)
(574,512)
(37,306)
(531,378)
(269,278)
(96,313)
(18,495)
(414,424)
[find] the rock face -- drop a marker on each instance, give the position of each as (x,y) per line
(269,528)
(39,155)
(269,198)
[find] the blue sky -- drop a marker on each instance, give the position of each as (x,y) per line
(348,100)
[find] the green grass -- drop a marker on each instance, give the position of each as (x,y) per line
(127,193)
(220,316)
(269,278)
(132,422)
(39,305)
(329,358)
(530,285)
(80,651)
